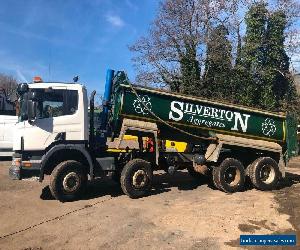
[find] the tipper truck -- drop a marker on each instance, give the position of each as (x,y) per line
(55,136)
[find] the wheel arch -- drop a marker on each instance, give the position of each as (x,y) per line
(65,152)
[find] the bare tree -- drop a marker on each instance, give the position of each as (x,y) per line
(9,85)
(173,53)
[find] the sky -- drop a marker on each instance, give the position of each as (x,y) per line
(58,39)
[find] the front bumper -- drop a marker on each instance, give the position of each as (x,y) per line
(24,169)
(15,172)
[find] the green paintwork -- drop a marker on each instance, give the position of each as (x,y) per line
(207,119)
(291,140)
(194,114)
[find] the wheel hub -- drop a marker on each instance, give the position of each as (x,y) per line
(232,176)
(71,182)
(267,174)
(139,179)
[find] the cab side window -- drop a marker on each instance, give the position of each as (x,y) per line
(58,103)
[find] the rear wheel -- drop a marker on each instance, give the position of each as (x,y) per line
(136,178)
(264,173)
(68,180)
(229,176)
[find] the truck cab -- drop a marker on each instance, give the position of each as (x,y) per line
(56,135)
(59,110)
(51,114)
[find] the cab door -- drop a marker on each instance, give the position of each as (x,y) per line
(57,112)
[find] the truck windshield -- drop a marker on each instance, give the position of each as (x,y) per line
(51,103)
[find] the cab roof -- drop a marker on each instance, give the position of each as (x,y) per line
(56,85)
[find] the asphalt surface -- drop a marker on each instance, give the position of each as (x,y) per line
(179,213)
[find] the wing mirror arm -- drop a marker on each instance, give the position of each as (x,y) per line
(32,110)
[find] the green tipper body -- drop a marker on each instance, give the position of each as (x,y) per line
(291,137)
(199,116)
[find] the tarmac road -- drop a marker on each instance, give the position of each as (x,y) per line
(180,213)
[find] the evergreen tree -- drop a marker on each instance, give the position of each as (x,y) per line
(264,68)
(218,65)
(252,88)
(190,71)
(253,52)
(277,66)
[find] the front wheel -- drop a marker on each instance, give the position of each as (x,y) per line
(68,180)
(136,178)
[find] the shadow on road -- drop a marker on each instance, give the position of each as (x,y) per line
(289,180)
(162,182)
(5,158)
(96,188)
(46,194)
(184,181)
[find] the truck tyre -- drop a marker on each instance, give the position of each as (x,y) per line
(229,176)
(136,178)
(68,180)
(214,176)
(264,173)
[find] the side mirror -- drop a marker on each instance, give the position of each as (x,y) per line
(22,88)
(31,110)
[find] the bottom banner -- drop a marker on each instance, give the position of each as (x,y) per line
(268,240)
